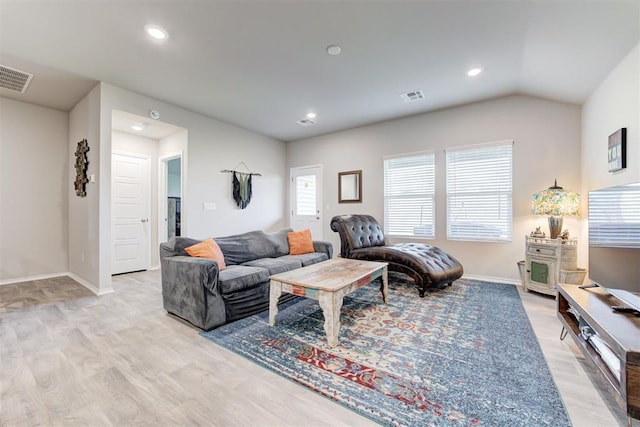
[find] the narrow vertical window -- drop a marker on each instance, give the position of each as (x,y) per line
(479,192)
(409,195)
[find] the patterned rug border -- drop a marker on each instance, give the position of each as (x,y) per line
(297,305)
(261,364)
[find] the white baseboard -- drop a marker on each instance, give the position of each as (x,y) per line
(89,286)
(75,277)
(31,278)
(492,279)
(155,267)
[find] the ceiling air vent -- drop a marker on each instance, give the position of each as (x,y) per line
(306,122)
(414,95)
(13,79)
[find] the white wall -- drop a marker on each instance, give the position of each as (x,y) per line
(34,183)
(174,184)
(85,264)
(613,105)
(126,143)
(547,146)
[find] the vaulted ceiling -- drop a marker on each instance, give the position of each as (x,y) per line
(263,65)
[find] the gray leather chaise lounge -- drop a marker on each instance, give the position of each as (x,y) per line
(362,238)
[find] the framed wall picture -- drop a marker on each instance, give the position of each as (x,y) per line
(618,150)
(350,187)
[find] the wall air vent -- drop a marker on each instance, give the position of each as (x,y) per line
(306,122)
(414,95)
(13,79)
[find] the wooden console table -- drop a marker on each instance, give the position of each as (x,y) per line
(620,331)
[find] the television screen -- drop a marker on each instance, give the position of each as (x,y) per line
(614,237)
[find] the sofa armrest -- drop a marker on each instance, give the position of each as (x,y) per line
(191,270)
(323,247)
(190,290)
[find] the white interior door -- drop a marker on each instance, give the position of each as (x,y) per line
(130,213)
(306,199)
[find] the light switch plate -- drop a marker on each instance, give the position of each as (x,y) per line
(209,206)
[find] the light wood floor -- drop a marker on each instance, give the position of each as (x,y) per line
(70,358)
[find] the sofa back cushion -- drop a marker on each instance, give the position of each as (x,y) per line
(245,247)
(176,247)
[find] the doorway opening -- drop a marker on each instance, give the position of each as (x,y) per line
(170,195)
(139,192)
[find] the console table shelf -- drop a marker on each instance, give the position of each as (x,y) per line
(620,331)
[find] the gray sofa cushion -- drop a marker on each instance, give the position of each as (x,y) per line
(276,265)
(307,259)
(245,247)
(238,277)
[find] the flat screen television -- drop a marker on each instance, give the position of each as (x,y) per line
(614,241)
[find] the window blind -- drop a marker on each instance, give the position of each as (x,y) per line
(479,192)
(306,195)
(409,195)
(614,217)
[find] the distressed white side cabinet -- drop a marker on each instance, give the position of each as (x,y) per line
(544,260)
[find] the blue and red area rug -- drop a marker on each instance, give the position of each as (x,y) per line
(462,356)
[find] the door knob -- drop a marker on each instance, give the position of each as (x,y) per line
(144,220)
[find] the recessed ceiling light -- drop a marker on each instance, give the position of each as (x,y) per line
(334,49)
(137,126)
(311,115)
(156,32)
(474,72)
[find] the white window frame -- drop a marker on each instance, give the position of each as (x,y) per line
(480,192)
(401,219)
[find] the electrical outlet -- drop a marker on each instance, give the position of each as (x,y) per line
(209,206)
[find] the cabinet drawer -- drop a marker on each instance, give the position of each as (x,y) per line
(542,250)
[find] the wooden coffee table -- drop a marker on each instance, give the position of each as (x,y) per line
(327,282)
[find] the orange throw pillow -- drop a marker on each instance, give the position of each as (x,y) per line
(300,242)
(208,249)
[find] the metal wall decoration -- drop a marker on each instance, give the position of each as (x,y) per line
(82,163)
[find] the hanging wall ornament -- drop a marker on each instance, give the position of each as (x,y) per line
(242,189)
(82,163)
(241,182)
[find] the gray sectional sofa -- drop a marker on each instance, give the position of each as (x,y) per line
(198,292)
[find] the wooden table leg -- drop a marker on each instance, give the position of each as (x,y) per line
(384,287)
(331,303)
(275,290)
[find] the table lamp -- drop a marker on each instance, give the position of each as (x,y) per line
(555,202)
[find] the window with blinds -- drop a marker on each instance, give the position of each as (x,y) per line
(409,195)
(306,195)
(479,192)
(614,216)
